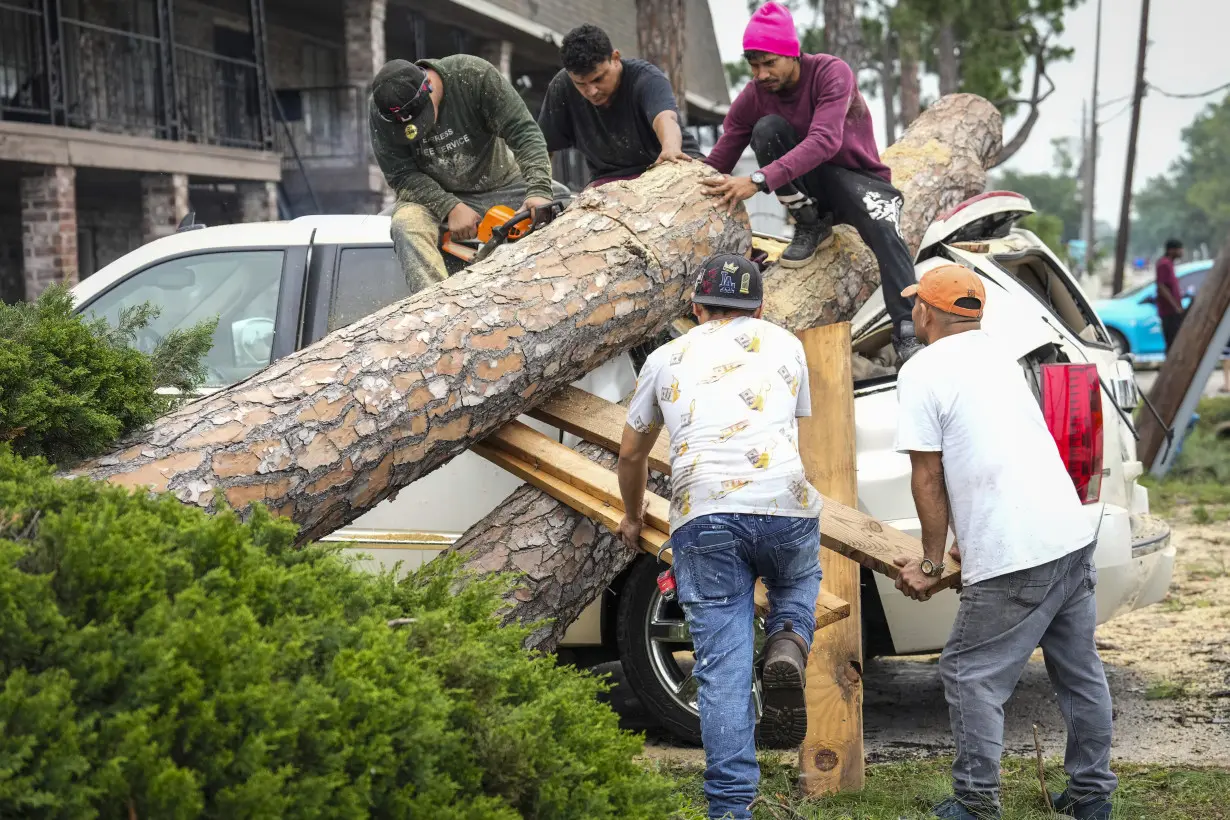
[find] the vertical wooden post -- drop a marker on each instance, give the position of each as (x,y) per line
(831,758)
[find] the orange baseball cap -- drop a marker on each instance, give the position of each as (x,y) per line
(946,287)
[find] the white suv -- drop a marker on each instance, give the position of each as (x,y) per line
(278,287)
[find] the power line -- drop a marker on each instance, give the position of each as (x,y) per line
(1116,115)
(1208,93)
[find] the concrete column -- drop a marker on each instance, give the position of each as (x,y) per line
(364,33)
(49,228)
(365,54)
(164,204)
(258,201)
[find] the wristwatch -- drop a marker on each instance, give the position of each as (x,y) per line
(932,569)
(758,178)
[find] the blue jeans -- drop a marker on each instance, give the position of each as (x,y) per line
(717,560)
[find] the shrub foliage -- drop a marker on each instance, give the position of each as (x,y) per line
(70,386)
(160,663)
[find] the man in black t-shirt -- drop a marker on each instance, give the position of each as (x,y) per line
(620,114)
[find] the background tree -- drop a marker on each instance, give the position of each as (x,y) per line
(1191,201)
(998,49)
(660,39)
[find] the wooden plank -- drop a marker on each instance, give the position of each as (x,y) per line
(831,758)
(843,528)
(609,516)
(596,420)
(592,490)
(860,537)
(568,465)
(830,609)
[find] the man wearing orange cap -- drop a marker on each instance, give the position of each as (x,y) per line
(811,130)
(983,459)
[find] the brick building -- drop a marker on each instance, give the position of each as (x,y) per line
(118,117)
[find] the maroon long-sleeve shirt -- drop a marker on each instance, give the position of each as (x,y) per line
(827,111)
(1166,280)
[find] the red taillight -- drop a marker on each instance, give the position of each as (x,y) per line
(1072,407)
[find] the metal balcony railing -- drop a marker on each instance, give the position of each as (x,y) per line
(111,80)
(219,99)
(65,71)
(24,89)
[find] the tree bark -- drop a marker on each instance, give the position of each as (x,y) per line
(843,33)
(332,430)
(1183,360)
(911,90)
(566,559)
(660,36)
(888,87)
(947,59)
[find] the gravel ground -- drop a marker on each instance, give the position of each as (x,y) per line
(1168,667)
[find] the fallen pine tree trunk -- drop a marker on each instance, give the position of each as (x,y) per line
(327,433)
(565,558)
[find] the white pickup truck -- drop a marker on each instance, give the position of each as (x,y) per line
(281,286)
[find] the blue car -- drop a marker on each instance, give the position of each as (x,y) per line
(1131,317)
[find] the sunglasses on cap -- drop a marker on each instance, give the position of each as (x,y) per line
(407,110)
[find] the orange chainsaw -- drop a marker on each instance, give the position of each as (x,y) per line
(499,225)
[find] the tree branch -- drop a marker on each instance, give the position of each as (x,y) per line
(1037,97)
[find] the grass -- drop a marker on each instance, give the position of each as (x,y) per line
(1166,690)
(906,791)
(1201,478)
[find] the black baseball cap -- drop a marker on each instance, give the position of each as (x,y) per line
(729,280)
(401,94)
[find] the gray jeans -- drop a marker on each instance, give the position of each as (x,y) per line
(999,623)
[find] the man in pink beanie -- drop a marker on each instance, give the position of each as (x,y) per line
(831,174)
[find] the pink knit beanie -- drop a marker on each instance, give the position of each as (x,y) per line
(771,29)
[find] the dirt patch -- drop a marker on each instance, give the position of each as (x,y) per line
(1168,668)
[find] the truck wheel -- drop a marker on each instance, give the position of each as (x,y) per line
(655,648)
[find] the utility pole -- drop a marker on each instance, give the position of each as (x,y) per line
(1125,210)
(1091,158)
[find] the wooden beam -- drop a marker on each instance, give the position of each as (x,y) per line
(567,465)
(591,490)
(861,538)
(831,758)
(609,516)
(843,528)
(830,609)
(596,420)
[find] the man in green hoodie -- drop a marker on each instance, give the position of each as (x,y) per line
(453,139)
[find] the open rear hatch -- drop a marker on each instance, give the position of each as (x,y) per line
(986,216)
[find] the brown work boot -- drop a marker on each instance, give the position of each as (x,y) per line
(783,724)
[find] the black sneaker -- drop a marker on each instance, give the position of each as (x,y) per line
(1082,807)
(783,722)
(905,347)
(953,809)
(811,233)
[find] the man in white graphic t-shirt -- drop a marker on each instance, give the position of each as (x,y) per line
(984,460)
(729,393)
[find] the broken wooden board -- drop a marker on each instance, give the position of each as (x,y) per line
(843,529)
(592,490)
(829,609)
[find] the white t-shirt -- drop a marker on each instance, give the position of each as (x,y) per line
(1013,504)
(729,393)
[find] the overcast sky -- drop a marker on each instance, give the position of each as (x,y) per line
(1189,53)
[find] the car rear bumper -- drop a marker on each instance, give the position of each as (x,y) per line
(1144,578)
(1134,557)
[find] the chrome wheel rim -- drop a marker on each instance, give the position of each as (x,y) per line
(671,653)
